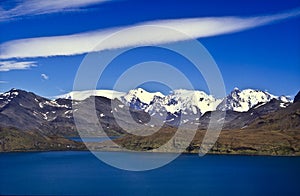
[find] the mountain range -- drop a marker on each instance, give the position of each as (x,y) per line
(182,100)
(249,109)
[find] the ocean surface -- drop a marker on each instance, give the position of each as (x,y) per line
(72,172)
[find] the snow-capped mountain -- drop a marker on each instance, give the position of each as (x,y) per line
(27,111)
(189,100)
(142,95)
(19,108)
(141,99)
(243,100)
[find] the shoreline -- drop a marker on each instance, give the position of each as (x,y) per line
(119,151)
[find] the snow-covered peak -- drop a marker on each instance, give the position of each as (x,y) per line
(243,100)
(81,95)
(10,94)
(193,100)
(143,96)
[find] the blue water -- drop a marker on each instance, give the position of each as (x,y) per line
(91,139)
(82,173)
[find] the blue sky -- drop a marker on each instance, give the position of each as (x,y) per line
(261,55)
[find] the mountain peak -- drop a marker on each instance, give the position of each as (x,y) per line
(243,100)
(11,93)
(236,89)
(297,97)
(142,96)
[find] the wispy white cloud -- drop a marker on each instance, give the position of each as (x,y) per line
(44,76)
(14,65)
(60,90)
(136,35)
(3,82)
(37,7)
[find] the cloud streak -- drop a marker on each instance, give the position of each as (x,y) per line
(44,76)
(38,7)
(14,65)
(136,35)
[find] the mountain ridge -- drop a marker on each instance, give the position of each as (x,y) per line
(25,110)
